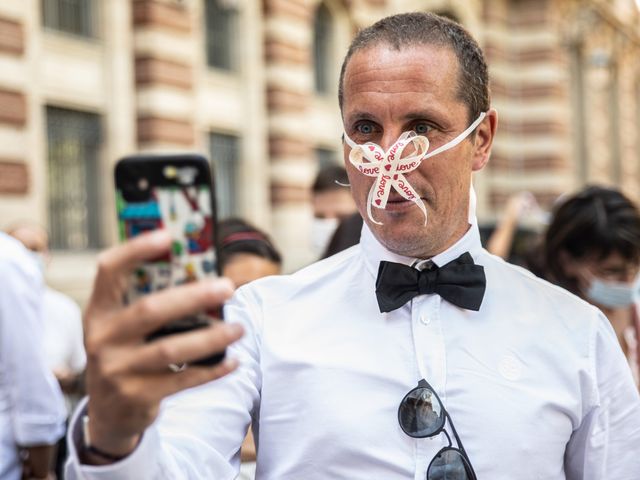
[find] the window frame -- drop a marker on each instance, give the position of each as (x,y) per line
(228,31)
(52,20)
(88,173)
(226,171)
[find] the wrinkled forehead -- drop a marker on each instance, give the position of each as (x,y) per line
(414,78)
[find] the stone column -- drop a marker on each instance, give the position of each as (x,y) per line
(529,88)
(164,79)
(16,166)
(289,87)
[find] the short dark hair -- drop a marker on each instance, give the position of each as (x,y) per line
(593,223)
(424,28)
(238,236)
(328,176)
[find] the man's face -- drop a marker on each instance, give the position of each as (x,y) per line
(388,92)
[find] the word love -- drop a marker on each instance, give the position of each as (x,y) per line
(389,168)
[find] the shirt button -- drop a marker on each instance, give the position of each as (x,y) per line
(425,320)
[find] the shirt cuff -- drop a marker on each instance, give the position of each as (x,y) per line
(39,429)
(141,463)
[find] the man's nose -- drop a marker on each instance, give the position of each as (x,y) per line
(389,138)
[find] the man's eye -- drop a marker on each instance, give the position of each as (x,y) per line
(422,128)
(364,128)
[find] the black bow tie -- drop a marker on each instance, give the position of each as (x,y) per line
(460,282)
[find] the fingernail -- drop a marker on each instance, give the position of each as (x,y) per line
(221,285)
(235,329)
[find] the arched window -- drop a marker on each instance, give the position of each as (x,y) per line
(322,49)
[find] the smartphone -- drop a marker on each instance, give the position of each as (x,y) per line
(175,193)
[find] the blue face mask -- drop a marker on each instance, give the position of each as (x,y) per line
(613,294)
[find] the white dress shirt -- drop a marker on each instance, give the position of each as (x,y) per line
(31,407)
(535,382)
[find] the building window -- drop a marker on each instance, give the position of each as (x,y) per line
(326,157)
(70,16)
(74,141)
(322,48)
(221,33)
(225,154)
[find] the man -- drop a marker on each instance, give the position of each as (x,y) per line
(31,407)
(528,374)
(332,202)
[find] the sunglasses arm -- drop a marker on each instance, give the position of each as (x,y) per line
(460,446)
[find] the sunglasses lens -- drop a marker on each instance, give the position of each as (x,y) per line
(448,465)
(420,413)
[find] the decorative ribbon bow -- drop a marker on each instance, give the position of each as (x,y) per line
(389,169)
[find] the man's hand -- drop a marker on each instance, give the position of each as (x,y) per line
(36,461)
(128,377)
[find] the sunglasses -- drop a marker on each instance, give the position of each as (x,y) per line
(421,414)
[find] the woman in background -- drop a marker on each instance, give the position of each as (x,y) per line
(592,248)
(246,253)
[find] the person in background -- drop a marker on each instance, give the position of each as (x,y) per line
(332,202)
(62,327)
(32,412)
(346,235)
(592,248)
(246,254)
(519,206)
(63,343)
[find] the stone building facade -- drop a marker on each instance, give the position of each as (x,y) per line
(252,84)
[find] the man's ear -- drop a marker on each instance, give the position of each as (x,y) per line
(484,139)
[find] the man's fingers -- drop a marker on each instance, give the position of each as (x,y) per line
(116,263)
(155,310)
(160,385)
(184,347)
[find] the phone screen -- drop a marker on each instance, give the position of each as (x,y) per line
(174,193)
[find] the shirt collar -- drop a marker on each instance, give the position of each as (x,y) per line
(374,252)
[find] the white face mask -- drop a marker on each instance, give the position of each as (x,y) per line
(613,294)
(322,229)
(389,167)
